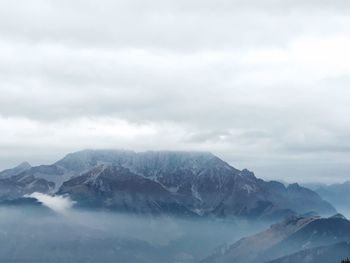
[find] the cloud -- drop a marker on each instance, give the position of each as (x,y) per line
(257,83)
(59,204)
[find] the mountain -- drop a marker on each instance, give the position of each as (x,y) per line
(117,188)
(250,249)
(189,182)
(325,254)
(301,235)
(320,232)
(200,182)
(337,194)
(54,174)
(16,170)
(22,201)
(19,185)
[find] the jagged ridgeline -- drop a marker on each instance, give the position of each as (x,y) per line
(195,184)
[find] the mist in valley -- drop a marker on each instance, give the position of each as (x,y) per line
(53,231)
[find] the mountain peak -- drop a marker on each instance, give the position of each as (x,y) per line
(247,173)
(24,166)
(84,160)
(340,216)
(294,186)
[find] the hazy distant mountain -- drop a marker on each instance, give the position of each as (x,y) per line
(292,236)
(185,182)
(16,170)
(337,194)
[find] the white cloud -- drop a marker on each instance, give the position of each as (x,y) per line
(258,83)
(59,204)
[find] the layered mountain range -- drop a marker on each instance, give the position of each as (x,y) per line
(181,183)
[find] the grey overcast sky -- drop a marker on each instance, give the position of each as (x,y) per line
(263,84)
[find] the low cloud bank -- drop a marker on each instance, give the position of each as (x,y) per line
(59,204)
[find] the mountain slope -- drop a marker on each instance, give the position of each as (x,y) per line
(292,236)
(326,254)
(337,194)
(117,188)
(250,249)
(320,232)
(16,170)
(19,185)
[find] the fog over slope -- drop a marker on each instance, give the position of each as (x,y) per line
(126,206)
(337,194)
(31,233)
